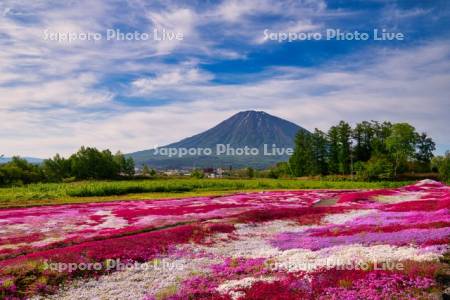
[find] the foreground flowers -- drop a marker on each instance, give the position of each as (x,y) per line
(37,228)
(276,245)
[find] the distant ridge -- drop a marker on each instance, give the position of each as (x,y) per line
(247,128)
(32,160)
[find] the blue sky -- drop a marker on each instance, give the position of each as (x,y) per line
(135,95)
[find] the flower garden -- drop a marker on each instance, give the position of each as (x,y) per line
(320,244)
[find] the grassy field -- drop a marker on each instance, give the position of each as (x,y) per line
(97,191)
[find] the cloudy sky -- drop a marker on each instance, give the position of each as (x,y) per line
(129,95)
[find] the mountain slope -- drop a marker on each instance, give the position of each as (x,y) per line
(253,129)
(246,128)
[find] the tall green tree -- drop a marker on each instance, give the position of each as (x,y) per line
(425,147)
(363,135)
(129,167)
(319,148)
(125,164)
(57,168)
(401,143)
(381,131)
(90,163)
(334,150)
(301,159)
(250,172)
(344,131)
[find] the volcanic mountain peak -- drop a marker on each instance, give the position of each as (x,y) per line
(253,129)
(246,128)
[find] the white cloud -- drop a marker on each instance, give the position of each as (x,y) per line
(74,92)
(238,18)
(312,98)
(170,80)
(177,21)
(53,97)
(235,10)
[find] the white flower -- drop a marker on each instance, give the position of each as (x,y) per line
(338,219)
(229,286)
(294,260)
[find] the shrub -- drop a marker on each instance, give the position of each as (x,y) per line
(377,168)
(442,165)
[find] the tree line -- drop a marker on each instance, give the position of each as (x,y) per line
(370,150)
(86,163)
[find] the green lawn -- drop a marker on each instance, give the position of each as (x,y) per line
(96,191)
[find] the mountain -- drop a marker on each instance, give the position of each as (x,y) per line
(32,160)
(252,129)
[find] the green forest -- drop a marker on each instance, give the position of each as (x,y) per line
(87,163)
(369,151)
